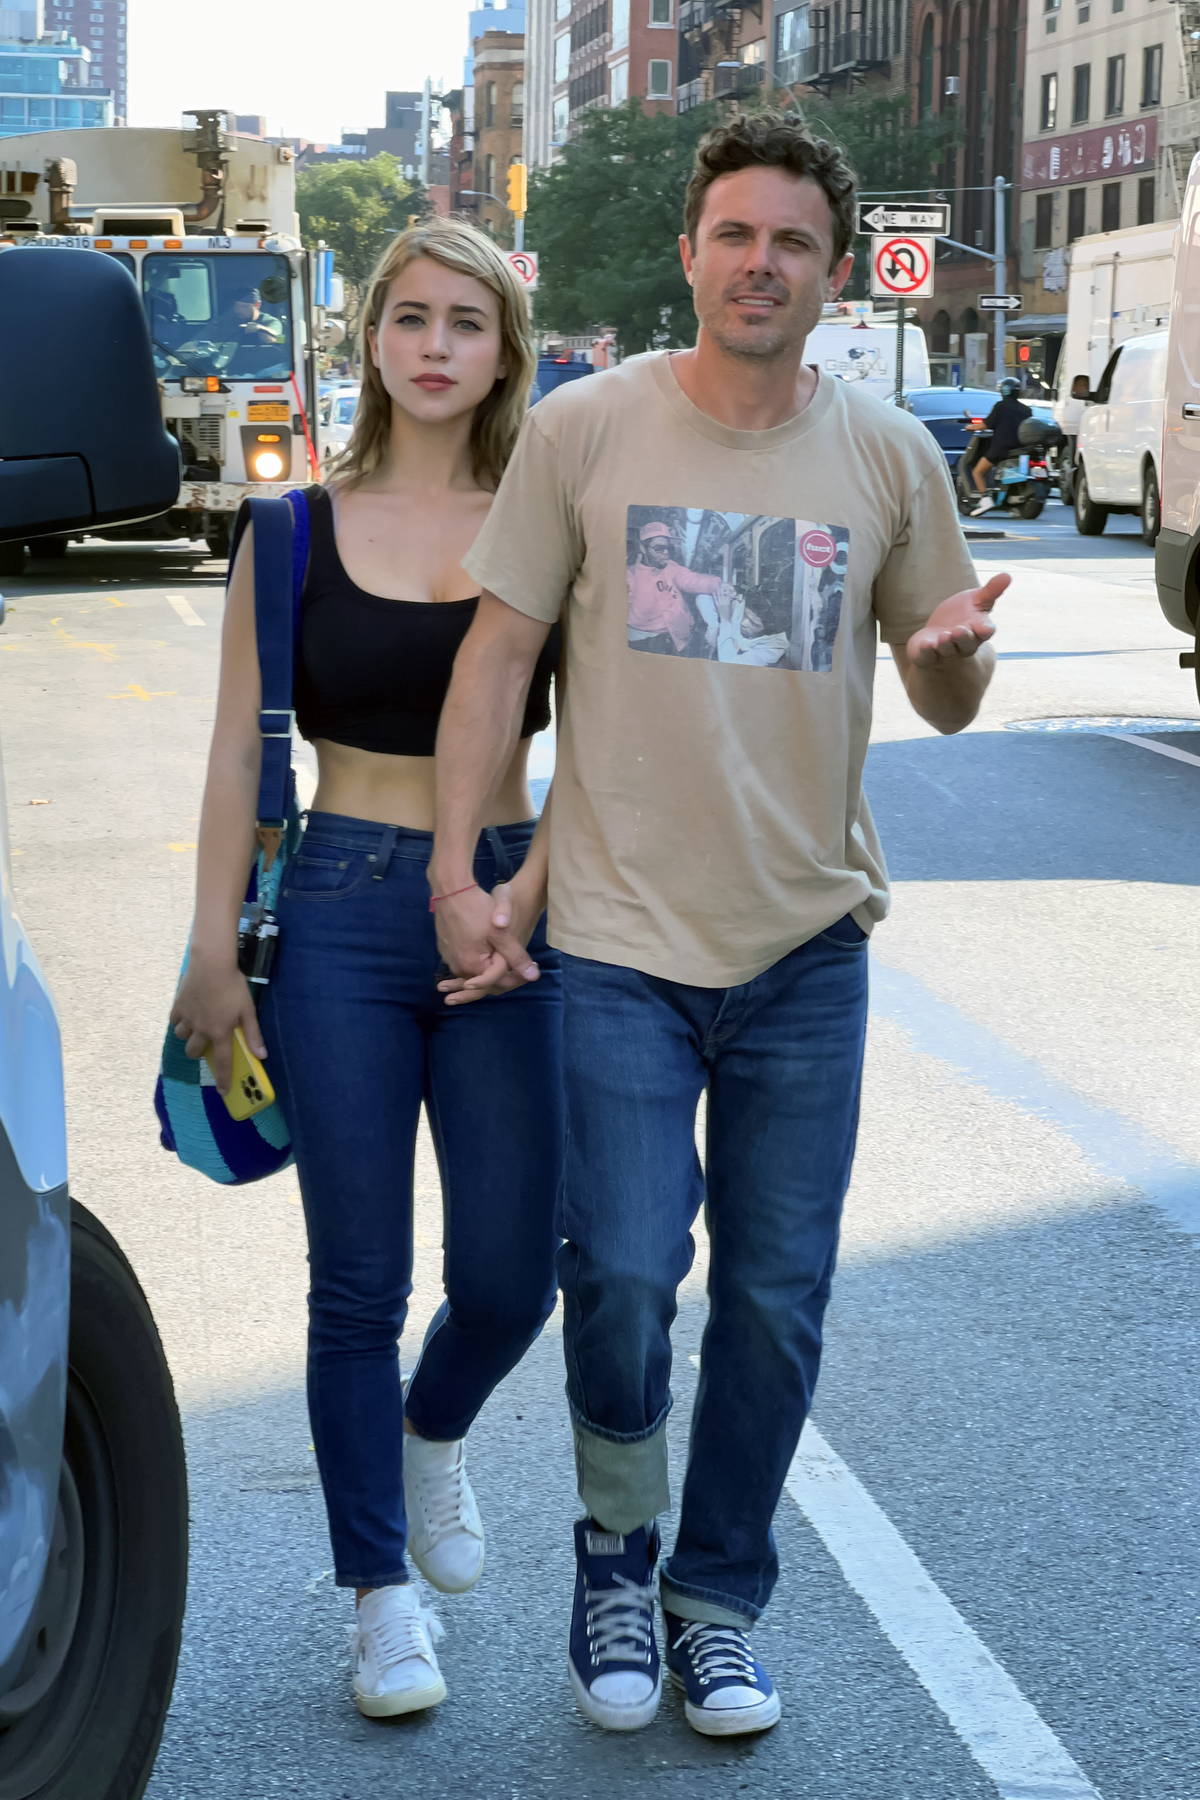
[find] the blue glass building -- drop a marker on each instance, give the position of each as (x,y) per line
(43,81)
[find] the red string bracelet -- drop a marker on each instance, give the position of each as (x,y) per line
(434,898)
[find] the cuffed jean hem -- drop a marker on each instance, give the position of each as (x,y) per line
(622,1479)
(371,1581)
(704,1604)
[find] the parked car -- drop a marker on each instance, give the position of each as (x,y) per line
(1119,449)
(343,404)
(1177,552)
(93,1491)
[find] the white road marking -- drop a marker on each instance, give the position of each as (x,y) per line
(1004,1733)
(1144,743)
(185,609)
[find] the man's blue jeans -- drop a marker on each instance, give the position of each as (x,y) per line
(359,1037)
(781,1059)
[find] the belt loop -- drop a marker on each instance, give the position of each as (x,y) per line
(499,849)
(382,856)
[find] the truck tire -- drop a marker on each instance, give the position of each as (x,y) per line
(1090,519)
(1151,511)
(85,1719)
(12,559)
(49,549)
(218,538)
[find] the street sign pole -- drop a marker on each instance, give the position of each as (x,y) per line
(900,312)
(1001,276)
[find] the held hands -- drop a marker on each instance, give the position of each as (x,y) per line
(958,626)
(489,955)
(210,1004)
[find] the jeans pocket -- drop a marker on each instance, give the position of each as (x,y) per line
(846,932)
(324,872)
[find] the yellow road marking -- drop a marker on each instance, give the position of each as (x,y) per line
(135,692)
(181,847)
(71,642)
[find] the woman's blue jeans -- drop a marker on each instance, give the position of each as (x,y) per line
(781,1060)
(358,1038)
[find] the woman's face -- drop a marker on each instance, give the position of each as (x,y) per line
(437,347)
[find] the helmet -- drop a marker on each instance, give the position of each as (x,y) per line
(1010,386)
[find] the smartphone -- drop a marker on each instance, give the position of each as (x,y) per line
(250,1090)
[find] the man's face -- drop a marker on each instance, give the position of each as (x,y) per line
(246,311)
(658,552)
(761,270)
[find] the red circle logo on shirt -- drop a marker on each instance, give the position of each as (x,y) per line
(818,548)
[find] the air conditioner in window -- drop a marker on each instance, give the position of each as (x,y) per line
(951,84)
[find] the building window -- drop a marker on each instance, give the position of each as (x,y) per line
(793,40)
(620,24)
(658,86)
(1076,213)
(562,56)
(1118,5)
(1145,197)
(1043,226)
(1152,75)
(559,120)
(1081,94)
(925,71)
(1114,87)
(660,12)
(489,175)
(489,103)
(1110,206)
(618,92)
(562,9)
(518,104)
(1049,114)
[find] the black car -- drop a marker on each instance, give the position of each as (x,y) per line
(950,414)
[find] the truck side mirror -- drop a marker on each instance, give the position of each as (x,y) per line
(82,440)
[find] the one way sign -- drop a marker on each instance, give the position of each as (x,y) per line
(880,217)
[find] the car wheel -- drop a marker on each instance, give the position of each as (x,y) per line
(1090,519)
(85,1717)
(1032,508)
(1151,511)
(12,559)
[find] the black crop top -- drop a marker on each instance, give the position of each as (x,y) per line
(373,673)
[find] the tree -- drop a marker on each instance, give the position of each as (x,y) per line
(357,208)
(605,222)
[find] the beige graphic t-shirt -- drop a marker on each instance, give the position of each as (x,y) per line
(722,593)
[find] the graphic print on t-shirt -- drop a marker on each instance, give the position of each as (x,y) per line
(734,587)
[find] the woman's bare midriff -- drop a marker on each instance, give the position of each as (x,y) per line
(399,790)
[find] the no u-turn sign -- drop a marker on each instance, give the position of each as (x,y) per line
(901,266)
(525,263)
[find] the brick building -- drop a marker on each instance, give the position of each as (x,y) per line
(101,27)
(499,124)
(588,53)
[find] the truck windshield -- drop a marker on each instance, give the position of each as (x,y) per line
(218,314)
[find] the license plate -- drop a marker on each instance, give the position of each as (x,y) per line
(260,412)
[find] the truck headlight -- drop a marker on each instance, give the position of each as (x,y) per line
(267,465)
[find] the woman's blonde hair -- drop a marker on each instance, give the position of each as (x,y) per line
(467,250)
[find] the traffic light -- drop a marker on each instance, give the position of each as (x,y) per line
(518,183)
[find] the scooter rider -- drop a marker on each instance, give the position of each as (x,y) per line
(1004,422)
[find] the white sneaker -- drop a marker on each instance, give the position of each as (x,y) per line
(983,505)
(445,1532)
(395,1668)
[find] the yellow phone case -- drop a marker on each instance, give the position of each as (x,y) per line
(250,1090)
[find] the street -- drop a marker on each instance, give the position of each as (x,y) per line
(989,1543)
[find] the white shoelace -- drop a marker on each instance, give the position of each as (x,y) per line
(401,1635)
(718,1653)
(444,1502)
(620,1621)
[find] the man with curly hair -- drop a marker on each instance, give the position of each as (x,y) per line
(714,876)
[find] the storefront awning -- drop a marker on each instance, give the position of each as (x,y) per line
(1037,325)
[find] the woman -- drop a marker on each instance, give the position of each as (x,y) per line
(358,1033)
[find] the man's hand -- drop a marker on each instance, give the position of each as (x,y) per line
(958,627)
(513,913)
(478,949)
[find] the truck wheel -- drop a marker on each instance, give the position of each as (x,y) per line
(1090,519)
(49,549)
(85,1719)
(1151,511)
(1032,508)
(12,559)
(218,538)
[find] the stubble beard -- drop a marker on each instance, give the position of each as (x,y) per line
(766,344)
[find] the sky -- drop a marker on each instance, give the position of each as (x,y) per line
(313,67)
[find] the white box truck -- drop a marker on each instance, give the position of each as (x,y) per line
(1177,551)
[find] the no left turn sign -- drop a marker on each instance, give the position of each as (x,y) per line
(902,266)
(525,263)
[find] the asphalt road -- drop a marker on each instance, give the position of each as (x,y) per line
(990,1565)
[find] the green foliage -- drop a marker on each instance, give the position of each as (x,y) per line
(605,222)
(357,207)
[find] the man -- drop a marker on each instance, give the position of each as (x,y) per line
(1004,422)
(714,875)
(244,322)
(660,619)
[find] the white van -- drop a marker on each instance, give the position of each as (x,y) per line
(1118,455)
(1177,553)
(865,353)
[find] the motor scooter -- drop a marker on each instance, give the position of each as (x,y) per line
(1019,483)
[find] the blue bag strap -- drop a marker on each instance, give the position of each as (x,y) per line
(273,625)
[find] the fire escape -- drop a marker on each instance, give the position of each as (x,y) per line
(1181,123)
(850,41)
(711,66)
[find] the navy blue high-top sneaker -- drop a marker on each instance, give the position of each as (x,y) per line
(614,1664)
(726,1691)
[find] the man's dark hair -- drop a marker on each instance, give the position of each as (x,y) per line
(773,140)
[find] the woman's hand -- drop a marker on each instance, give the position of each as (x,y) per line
(517,905)
(214,999)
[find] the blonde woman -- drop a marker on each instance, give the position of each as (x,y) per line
(358,1033)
